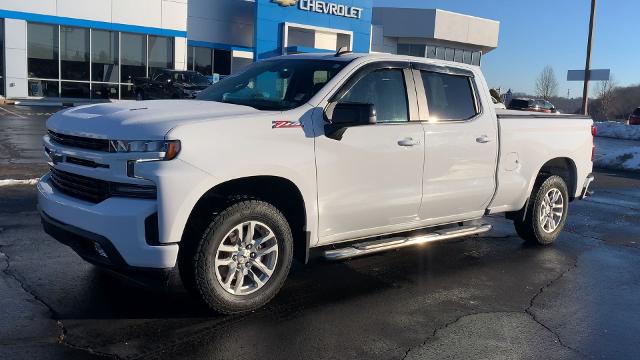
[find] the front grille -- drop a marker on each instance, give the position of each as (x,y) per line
(95,190)
(80,142)
(81,187)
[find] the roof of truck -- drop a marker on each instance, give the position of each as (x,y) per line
(347,57)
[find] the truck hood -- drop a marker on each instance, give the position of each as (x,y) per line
(140,120)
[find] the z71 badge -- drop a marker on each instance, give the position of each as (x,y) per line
(284,124)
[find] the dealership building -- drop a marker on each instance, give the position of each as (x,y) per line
(92,49)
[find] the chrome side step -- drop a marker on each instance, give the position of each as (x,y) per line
(376,246)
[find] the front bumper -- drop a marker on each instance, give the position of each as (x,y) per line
(116,224)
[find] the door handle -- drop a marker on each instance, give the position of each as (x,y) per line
(408,142)
(483,139)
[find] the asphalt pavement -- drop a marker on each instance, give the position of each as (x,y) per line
(480,297)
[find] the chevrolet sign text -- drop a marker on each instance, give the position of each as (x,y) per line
(325,7)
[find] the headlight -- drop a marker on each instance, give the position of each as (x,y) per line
(166,149)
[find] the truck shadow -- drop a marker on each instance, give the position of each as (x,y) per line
(316,285)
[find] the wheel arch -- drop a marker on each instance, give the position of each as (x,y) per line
(561,166)
(278,191)
(565,168)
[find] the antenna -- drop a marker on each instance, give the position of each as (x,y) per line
(343,50)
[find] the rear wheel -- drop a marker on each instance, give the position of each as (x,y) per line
(243,257)
(546,212)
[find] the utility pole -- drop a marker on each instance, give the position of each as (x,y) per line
(587,67)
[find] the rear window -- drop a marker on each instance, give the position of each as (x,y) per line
(449,97)
(636,112)
(517,103)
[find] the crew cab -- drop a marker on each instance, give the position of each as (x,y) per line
(339,155)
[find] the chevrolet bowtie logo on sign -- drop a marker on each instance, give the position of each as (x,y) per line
(324,7)
(285,2)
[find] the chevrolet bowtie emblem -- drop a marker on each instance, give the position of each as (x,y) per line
(285,2)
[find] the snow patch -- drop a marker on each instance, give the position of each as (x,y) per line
(618,130)
(617,154)
(10,182)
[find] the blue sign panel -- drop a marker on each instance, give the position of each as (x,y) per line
(340,15)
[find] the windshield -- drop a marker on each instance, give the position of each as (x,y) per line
(274,84)
(196,78)
(188,77)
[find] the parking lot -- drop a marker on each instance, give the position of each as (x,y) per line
(480,297)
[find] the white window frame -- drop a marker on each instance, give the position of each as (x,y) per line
(287,25)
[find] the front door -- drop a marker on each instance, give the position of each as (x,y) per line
(461,145)
(370,181)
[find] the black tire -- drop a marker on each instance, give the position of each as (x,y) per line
(204,272)
(531,229)
(139,95)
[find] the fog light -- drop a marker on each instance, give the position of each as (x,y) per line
(99,250)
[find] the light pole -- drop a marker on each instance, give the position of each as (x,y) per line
(587,67)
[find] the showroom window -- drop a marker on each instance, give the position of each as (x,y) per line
(79,62)
(208,61)
(203,60)
(160,53)
(450,54)
(412,49)
(42,51)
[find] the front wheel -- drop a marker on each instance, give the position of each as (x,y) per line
(243,257)
(546,213)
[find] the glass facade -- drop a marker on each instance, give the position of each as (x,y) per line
(412,49)
(42,51)
(441,52)
(74,62)
(209,61)
(74,53)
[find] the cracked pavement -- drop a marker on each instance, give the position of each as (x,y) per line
(480,297)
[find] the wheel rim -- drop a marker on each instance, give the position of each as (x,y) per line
(551,210)
(246,258)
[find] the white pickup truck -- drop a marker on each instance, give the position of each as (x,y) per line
(345,154)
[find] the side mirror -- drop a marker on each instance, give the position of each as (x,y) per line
(341,116)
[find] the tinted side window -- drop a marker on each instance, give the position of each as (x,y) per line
(450,97)
(637,112)
(385,89)
(519,104)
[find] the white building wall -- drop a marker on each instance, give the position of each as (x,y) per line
(15,58)
(162,14)
(98,11)
(180,53)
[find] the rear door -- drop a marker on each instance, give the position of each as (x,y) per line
(461,143)
(370,181)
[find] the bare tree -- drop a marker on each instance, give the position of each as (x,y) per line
(546,84)
(606,95)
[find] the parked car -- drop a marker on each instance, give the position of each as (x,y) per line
(634,118)
(294,157)
(536,105)
(170,84)
(497,104)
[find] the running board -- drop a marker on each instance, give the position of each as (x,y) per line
(376,246)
